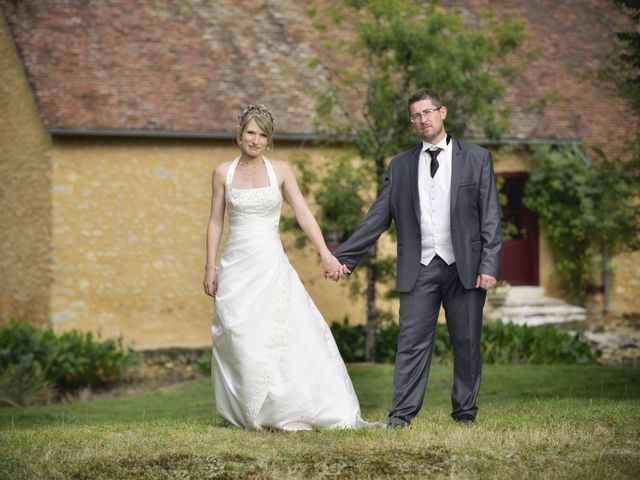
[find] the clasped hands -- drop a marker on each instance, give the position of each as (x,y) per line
(332,269)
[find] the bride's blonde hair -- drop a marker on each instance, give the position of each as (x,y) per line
(263,117)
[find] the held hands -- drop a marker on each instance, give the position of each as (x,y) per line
(333,270)
(485,282)
(210,282)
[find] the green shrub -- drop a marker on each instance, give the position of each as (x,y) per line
(350,340)
(509,343)
(500,343)
(386,341)
(204,364)
(67,361)
(22,385)
(81,361)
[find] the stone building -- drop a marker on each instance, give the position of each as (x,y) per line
(114,114)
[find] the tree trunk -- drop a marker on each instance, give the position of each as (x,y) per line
(372,316)
(372,279)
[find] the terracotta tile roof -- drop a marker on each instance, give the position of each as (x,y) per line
(189,66)
(574,39)
(174,66)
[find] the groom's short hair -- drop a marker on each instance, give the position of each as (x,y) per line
(424,94)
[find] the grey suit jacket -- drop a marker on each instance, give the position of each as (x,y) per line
(475,217)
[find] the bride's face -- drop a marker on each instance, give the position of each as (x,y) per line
(254,139)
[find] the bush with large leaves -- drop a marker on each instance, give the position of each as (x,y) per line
(63,362)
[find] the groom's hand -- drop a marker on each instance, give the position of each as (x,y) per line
(485,281)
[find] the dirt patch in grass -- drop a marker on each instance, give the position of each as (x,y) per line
(172,466)
(378,463)
(343,464)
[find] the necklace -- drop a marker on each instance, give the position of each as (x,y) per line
(247,170)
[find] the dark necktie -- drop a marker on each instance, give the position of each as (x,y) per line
(434,160)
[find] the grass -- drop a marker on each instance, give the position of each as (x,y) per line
(561,422)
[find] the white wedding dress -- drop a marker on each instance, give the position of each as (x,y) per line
(275,364)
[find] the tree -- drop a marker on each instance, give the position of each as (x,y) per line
(583,207)
(377,52)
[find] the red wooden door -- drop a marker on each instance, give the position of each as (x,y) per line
(520,242)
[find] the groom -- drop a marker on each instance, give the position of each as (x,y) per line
(442,197)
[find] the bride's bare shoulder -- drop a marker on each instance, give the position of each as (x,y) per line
(220,170)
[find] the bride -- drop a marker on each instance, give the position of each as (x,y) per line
(275,364)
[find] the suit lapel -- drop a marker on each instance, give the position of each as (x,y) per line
(413,176)
(456,172)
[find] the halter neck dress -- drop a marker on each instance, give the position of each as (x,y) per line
(275,364)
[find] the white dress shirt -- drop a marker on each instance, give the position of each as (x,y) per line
(435,204)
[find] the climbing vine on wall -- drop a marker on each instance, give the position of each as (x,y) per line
(583,206)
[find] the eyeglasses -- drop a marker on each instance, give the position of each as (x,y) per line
(425,113)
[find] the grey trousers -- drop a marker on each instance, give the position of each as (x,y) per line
(437,284)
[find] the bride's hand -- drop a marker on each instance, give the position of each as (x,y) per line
(210,282)
(332,269)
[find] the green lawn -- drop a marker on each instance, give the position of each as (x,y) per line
(564,422)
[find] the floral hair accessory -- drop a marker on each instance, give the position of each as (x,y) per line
(253,110)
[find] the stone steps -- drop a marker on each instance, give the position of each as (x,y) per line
(529,306)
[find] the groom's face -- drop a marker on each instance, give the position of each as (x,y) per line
(428,120)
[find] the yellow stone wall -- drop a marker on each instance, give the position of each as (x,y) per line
(128,239)
(625,292)
(25,195)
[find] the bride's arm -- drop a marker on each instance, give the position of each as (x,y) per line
(214,229)
(307,221)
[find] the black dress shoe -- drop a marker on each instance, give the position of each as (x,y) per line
(394,425)
(467,419)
